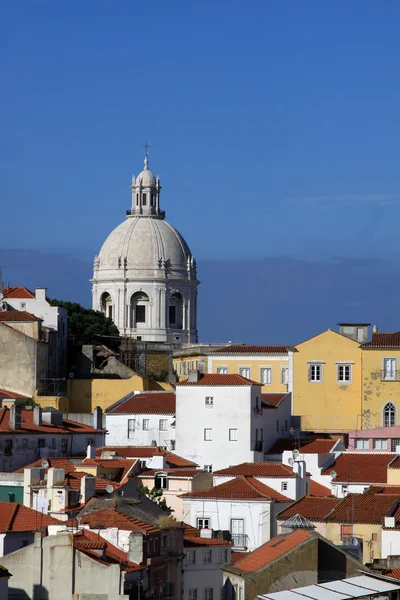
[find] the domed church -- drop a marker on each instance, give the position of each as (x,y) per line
(144,277)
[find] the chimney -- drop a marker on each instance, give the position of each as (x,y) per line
(88,488)
(15,416)
(193,376)
(32,477)
(37,415)
(299,467)
(97,418)
(55,477)
(91,451)
(158,461)
(375,329)
(40,293)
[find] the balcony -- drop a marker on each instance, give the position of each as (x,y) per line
(390,375)
(239,541)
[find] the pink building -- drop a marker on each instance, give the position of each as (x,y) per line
(380,439)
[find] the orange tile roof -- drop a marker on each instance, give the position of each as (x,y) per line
(395,573)
(54,463)
(386,489)
(7,395)
(88,542)
(110,517)
(28,425)
(272,400)
(235,556)
(73,480)
(275,548)
(318,490)
(360,467)
(192,537)
(162,403)
(240,488)
(172,459)
(17,292)
(172,473)
(314,509)
(245,349)
(383,340)
(309,445)
(220,379)
(17,315)
(362,508)
(259,469)
(124,465)
(16,517)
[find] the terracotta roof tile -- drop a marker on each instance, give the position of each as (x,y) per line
(386,489)
(360,467)
(275,548)
(235,556)
(259,469)
(395,573)
(192,537)
(55,463)
(362,508)
(16,517)
(245,349)
(273,399)
(110,517)
(172,473)
(7,395)
(306,445)
(18,292)
(73,480)
(17,315)
(172,459)
(220,379)
(28,425)
(383,340)
(319,491)
(240,488)
(314,509)
(162,403)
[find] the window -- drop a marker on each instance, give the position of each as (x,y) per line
(41,443)
(208,468)
(389,369)
(8,447)
(162,425)
(345,489)
(164,541)
(23,305)
(144,199)
(223,555)
(137,199)
(284,486)
(161,481)
(315,373)
(64,445)
(146,424)
(237,533)
(394,443)
(380,444)
(223,370)
(209,401)
(284,375)
(140,313)
(110,311)
(266,375)
(203,523)
(191,557)
(131,428)
(346,531)
(374,537)
(208,435)
(233,435)
(361,444)
(389,415)
(344,373)
(208,593)
(207,557)
(245,372)
(11,497)
(193,594)
(172,315)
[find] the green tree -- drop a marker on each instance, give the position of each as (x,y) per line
(155,495)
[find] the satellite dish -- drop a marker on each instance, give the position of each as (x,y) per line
(333,474)
(296,453)
(45,464)
(109,489)
(291,461)
(354,541)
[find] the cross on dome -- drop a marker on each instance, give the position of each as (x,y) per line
(146,156)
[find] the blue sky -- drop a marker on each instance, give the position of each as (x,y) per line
(274,125)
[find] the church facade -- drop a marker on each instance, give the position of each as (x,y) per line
(144,277)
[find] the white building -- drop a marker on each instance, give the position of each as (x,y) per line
(54,319)
(318,455)
(243,507)
(225,419)
(142,419)
(145,275)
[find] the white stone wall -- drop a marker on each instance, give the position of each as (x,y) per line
(117,427)
(390,543)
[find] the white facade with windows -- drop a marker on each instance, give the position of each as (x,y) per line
(202,574)
(219,421)
(145,275)
(141,429)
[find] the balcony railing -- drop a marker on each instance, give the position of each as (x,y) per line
(390,375)
(239,541)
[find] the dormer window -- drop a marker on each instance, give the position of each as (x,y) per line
(161,481)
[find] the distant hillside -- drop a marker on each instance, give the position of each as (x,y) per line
(273,299)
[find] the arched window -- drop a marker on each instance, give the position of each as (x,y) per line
(175,311)
(389,414)
(106,306)
(139,309)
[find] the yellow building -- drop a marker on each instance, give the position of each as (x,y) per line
(327,381)
(270,365)
(381,380)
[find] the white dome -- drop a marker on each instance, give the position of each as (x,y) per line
(146,178)
(143,243)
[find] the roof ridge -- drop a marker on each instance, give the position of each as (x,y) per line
(12,516)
